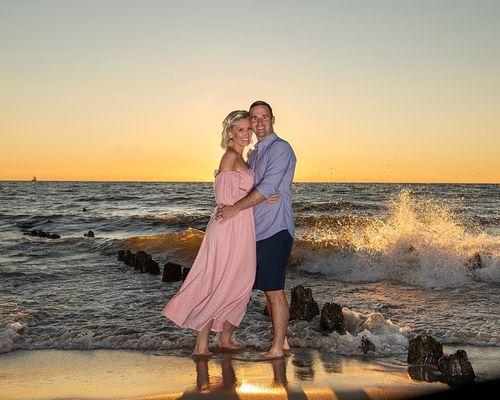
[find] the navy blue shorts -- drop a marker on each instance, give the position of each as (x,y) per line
(272,258)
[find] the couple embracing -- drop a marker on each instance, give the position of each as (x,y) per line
(248,239)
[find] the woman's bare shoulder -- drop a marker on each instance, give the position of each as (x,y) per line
(229,161)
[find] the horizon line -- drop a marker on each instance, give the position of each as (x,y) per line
(194,181)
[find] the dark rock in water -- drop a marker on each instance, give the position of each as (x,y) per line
(332,319)
(474,262)
(129,258)
(40,233)
(454,370)
(424,350)
(89,234)
(171,272)
(141,261)
(185,272)
(121,255)
(457,365)
(84,209)
(303,306)
(367,346)
(427,373)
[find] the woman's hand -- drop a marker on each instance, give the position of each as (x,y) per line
(273,199)
(249,153)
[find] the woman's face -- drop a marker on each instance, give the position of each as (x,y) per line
(241,132)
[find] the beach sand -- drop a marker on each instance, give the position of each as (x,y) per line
(305,374)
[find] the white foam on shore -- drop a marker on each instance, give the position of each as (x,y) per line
(8,335)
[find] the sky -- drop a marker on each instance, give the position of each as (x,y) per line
(364,91)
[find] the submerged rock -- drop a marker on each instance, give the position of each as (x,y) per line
(303,306)
(474,262)
(367,346)
(40,233)
(456,365)
(121,255)
(145,263)
(89,234)
(141,261)
(172,272)
(332,319)
(424,350)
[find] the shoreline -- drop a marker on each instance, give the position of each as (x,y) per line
(132,374)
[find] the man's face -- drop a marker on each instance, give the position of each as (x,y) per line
(262,123)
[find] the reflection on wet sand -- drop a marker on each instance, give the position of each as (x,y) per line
(226,384)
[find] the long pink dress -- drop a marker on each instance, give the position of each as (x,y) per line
(220,281)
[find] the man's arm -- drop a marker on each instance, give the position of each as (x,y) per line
(251,199)
(267,187)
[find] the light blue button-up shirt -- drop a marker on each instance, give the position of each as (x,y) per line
(273,163)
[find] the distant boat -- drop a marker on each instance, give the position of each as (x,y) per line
(33,179)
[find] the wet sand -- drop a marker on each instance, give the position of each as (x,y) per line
(305,374)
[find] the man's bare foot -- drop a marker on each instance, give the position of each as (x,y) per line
(272,354)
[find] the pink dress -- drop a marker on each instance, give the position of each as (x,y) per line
(220,281)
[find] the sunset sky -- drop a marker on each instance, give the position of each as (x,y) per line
(377,91)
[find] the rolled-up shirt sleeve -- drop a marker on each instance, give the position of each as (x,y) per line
(281,156)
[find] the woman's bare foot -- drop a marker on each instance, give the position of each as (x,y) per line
(230,346)
(201,352)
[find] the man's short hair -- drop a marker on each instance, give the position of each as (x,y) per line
(261,103)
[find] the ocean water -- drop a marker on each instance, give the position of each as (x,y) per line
(392,255)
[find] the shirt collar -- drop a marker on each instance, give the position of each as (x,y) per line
(266,142)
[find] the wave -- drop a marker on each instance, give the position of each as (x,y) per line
(255,331)
(187,220)
(305,206)
(421,242)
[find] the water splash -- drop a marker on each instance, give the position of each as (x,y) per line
(420,242)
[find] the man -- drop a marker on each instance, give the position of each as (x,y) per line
(273,162)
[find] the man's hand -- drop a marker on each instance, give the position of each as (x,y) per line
(226,212)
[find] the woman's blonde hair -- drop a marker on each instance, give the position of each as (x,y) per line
(228,124)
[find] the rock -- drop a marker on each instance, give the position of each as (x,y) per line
(185,272)
(121,255)
(89,234)
(474,262)
(332,319)
(456,365)
(40,233)
(141,261)
(154,268)
(129,258)
(427,373)
(424,350)
(171,272)
(367,346)
(303,305)
(84,209)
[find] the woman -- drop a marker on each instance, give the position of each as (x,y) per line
(215,294)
